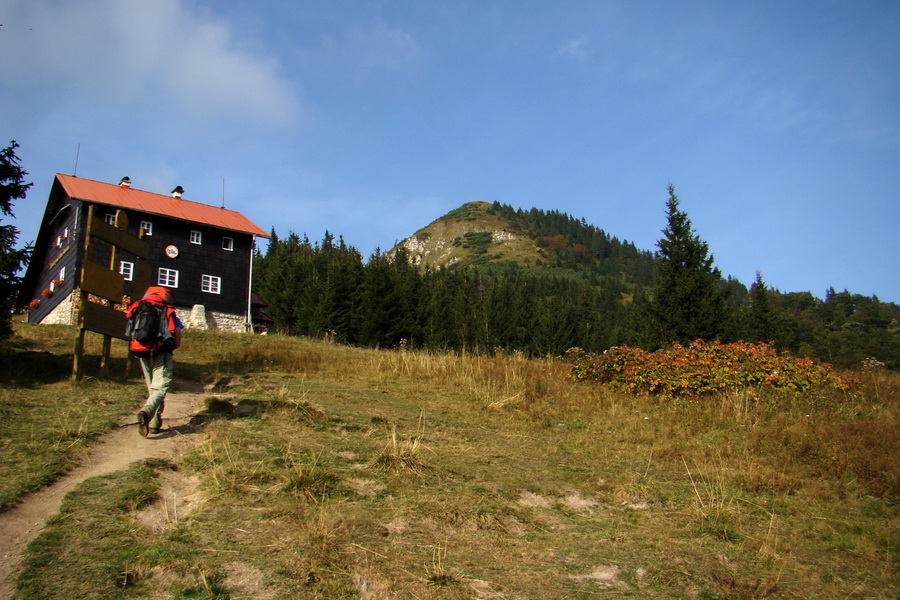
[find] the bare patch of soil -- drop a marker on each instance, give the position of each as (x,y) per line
(366,487)
(246,581)
(578,502)
(395,527)
(178,497)
(605,576)
(371,587)
(531,500)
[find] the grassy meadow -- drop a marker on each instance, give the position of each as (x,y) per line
(382,474)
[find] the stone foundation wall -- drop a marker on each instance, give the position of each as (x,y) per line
(229,322)
(62,314)
(195,317)
(200,318)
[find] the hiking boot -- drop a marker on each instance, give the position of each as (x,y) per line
(143,427)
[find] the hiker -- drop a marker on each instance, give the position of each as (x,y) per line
(154,332)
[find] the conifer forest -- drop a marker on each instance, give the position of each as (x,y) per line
(591,291)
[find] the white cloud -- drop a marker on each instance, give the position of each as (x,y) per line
(576,48)
(159,55)
(365,52)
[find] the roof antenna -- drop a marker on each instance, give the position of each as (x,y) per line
(77,153)
(223,192)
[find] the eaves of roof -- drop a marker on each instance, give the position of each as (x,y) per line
(158,204)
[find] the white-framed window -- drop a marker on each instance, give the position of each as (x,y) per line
(167,278)
(211,284)
(126,269)
(60,277)
(196,237)
(227,243)
(147,227)
(110,218)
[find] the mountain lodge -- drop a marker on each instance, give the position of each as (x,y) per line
(203,253)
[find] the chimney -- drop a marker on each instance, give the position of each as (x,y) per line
(177,192)
(125,182)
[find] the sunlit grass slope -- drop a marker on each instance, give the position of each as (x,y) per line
(403,474)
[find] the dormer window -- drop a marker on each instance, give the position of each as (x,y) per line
(228,243)
(147,227)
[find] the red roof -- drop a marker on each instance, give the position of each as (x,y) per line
(148,202)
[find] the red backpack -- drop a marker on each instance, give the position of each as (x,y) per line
(151,323)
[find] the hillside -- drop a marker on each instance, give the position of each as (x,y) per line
(375,475)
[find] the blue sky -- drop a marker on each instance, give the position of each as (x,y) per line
(777,122)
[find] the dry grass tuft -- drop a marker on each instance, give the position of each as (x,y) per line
(290,401)
(436,572)
(713,505)
(402,456)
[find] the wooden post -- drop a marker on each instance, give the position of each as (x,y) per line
(121,222)
(104,356)
(140,281)
(80,299)
(77,366)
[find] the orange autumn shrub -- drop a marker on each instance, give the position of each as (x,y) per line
(701,368)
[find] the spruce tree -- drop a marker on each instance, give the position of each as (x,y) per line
(12,187)
(761,321)
(689,300)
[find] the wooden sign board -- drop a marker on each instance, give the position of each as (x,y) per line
(120,239)
(140,278)
(105,320)
(102,282)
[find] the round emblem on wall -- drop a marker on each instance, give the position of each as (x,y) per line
(172,251)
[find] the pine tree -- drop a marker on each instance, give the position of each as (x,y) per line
(378,308)
(761,321)
(689,301)
(12,187)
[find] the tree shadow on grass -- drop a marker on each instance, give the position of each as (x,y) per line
(21,367)
(27,368)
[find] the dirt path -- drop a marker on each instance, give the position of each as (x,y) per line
(113,452)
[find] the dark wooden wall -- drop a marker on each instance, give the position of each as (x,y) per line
(193,260)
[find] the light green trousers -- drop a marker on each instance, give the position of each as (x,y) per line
(158,372)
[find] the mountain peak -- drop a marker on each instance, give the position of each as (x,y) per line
(472,234)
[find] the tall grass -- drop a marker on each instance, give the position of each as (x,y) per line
(502,380)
